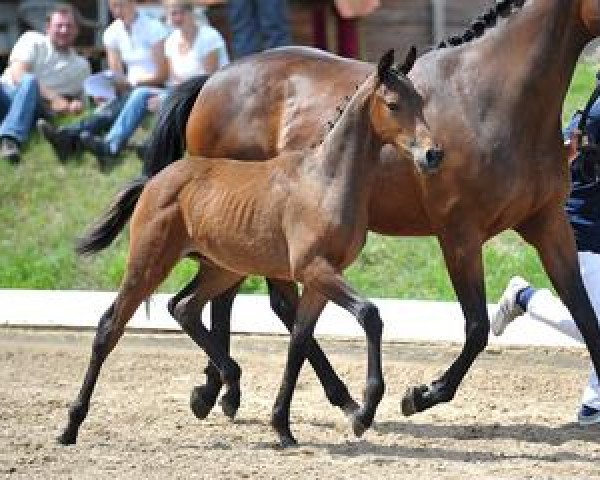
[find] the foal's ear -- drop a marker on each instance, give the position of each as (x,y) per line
(385,63)
(411,56)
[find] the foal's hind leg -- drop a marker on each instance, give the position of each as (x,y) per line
(284,300)
(144,273)
(186,308)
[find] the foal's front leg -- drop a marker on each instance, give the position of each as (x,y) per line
(322,281)
(309,308)
(284,300)
(464,262)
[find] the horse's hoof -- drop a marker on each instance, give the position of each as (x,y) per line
(350,408)
(411,396)
(66,439)
(360,424)
(287,440)
(201,402)
(230,403)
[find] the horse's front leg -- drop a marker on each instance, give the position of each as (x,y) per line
(322,277)
(307,313)
(464,262)
(284,301)
(551,234)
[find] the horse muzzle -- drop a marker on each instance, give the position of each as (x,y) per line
(428,160)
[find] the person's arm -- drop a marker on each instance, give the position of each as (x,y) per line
(161,74)
(56,102)
(211,62)
(116,66)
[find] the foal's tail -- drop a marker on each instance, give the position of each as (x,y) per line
(167,140)
(108,227)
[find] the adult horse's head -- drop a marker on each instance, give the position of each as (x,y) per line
(397,110)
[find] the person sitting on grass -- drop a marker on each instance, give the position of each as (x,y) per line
(44,77)
(134,45)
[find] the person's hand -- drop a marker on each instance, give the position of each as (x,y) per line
(122,85)
(59,104)
(154,103)
(75,106)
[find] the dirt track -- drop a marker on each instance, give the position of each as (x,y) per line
(512,418)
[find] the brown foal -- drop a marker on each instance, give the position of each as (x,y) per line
(301,217)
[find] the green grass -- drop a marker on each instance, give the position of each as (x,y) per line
(44,206)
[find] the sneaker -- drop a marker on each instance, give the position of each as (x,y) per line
(508,309)
(10,150)
(63,143)
(588,416)
(99,148)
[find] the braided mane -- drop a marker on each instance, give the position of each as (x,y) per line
(503,8)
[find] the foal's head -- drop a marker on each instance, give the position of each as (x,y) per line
(397,108)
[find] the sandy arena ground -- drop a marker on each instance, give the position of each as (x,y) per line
(513,417)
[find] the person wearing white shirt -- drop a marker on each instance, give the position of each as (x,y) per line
(193,48)
(44,76)
(134,46)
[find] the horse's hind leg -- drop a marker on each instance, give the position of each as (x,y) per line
(464,263)
(141,279)
(284,301)
(186,308)
(550,233)
(204,397)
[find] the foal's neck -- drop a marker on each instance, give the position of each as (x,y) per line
(351,145)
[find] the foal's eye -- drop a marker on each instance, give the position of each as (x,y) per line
(393,106)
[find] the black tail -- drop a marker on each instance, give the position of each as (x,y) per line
(167,140)
(108,227)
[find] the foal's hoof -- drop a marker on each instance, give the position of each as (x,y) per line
(350,408)
(411,398)
(201,401)
(359,423)
(286,439)
(66,438)
(230,403)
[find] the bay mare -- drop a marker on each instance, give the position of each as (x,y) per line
(493,102)
(301,217)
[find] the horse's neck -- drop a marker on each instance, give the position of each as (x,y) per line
(350,146)
(535,52)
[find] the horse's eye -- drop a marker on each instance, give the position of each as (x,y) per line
(393,106)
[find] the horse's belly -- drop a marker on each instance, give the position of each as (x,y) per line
(247,254)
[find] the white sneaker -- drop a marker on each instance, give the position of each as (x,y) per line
(508,309)
(588,416)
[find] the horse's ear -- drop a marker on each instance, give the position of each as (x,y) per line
(411,56)
(385,64)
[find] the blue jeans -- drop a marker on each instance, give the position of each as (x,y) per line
(257,25)
(120,117)
(19,108)
(131,116)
